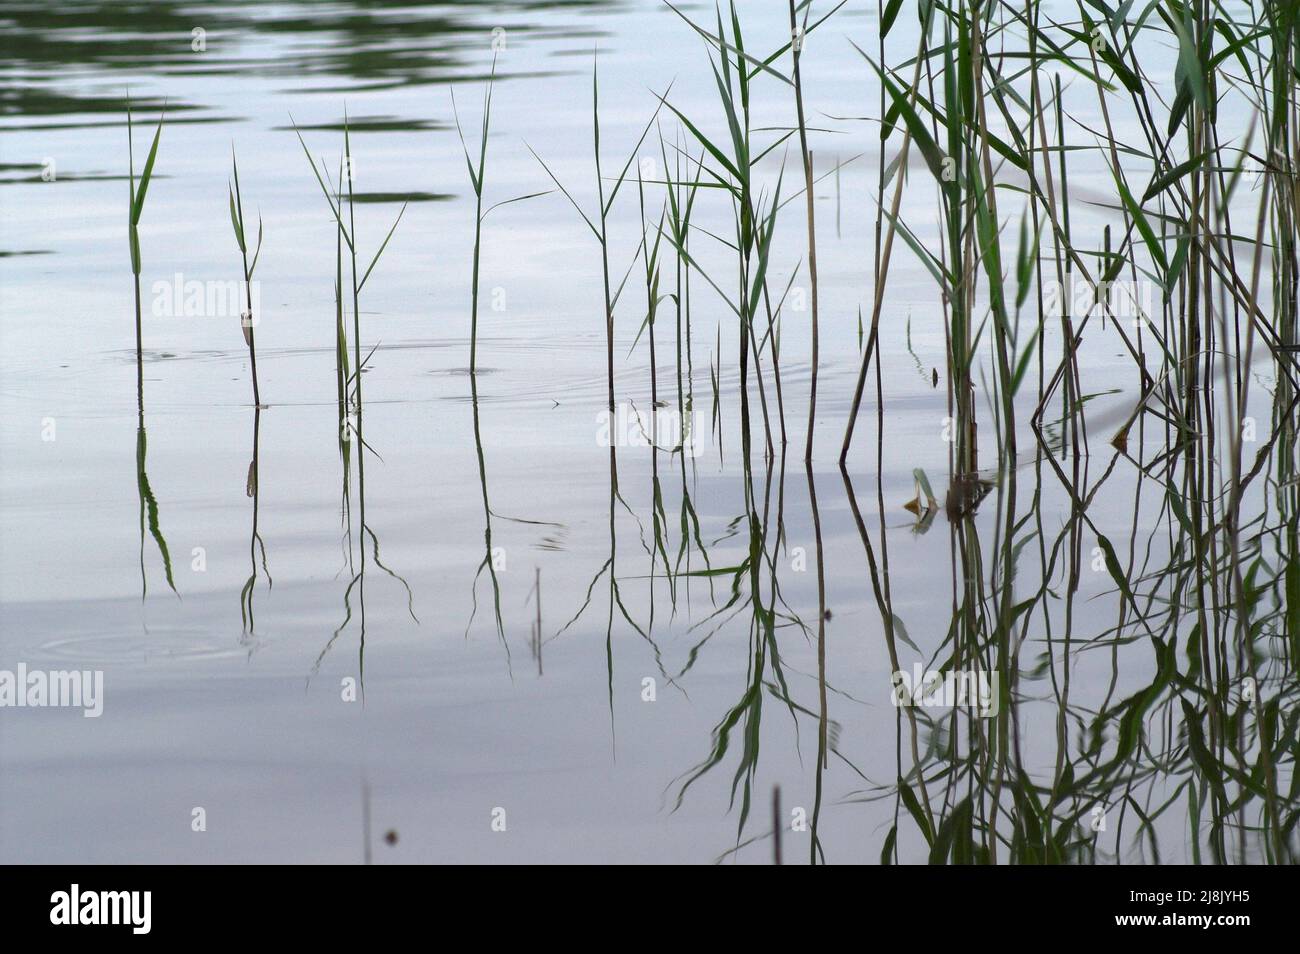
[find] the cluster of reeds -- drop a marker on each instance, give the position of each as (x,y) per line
(1210,600)
(991,125)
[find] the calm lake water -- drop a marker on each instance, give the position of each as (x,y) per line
(301,656)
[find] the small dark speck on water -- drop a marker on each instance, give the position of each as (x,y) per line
(390,836)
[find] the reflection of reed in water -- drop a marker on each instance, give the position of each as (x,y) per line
(252,489)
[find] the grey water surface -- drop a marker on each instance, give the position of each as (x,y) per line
(464,624)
